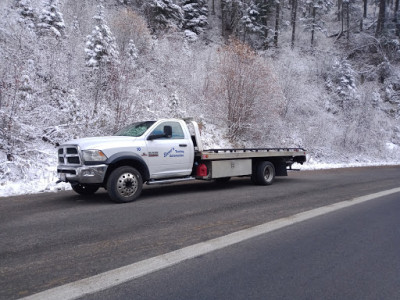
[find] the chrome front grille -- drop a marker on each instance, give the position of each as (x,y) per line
(68,155)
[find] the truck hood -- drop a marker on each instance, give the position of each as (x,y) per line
(102,142)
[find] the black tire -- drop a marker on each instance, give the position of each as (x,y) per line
(264,174)
(84,189)
(124,184)
(222,180)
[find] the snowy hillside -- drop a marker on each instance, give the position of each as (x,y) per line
(321,75)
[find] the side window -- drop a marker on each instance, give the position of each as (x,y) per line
(177,132)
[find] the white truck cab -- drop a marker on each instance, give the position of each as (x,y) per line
(162,151)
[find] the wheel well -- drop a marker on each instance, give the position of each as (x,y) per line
(142,169)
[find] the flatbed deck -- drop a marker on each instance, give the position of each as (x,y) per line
(220,154)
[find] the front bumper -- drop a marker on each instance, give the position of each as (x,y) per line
(82,174)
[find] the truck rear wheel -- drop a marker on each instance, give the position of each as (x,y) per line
(124,184)
(84,189)
(264,174)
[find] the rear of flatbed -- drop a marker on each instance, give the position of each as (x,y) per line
(262,164)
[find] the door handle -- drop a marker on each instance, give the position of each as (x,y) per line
(182,145)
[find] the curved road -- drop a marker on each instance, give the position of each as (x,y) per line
(51,239)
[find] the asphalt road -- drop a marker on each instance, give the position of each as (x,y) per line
(350,254)
(48,240)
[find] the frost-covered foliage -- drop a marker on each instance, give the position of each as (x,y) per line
(253,25)
(251,19)
(341,80)
(132,53)
(163,15)
(195,14)
(28,15)
(51,21)
(101,48)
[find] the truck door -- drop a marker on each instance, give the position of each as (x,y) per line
(171,155)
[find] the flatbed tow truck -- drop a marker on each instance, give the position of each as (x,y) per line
(159,152)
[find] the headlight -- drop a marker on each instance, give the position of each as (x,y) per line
(93,155)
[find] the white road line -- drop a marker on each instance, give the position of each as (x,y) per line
(118,276)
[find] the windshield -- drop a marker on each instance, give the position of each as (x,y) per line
(135,129)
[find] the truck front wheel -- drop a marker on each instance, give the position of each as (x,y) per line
(124,184)
(264,174)
(84,189)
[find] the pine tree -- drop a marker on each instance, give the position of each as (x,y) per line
(251,20)
(101,48)
(28,15)
(102,56)
(132,53)
(255,22)
(163,15)
(174,106)
(195,15)
(342,81)
(51,20)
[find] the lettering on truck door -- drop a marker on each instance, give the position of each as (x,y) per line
(169,156)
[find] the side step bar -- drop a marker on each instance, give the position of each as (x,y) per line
(172,180)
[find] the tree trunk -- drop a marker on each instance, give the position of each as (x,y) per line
(339,10)
(342,17)
(293,21)
(348,20)
(396,18)
(365,8)
(277,12)
(381,18)
(1,96)
(264,22)
(314,10)
(213,7)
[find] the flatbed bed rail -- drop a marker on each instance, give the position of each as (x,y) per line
(234,150)
(295,154)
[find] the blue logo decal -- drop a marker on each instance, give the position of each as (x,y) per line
(174,153)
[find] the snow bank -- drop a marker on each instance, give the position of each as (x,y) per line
(30,173)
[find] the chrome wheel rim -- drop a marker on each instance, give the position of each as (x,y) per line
(127,185)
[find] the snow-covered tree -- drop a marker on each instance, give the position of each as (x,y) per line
(342,81)
(28,15)
(253,24)
(132,54)
(51,20)
(102,57)
(163,15)
(174,105)
(101,48)
(195,15)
